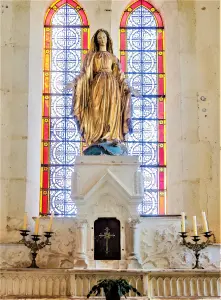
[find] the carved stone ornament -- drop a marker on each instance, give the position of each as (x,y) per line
(165,251)
(134,222)
(14,256)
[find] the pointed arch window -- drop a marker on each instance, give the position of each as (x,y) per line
(66,31)
(142,59)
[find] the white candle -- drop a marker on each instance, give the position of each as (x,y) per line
(194,226)
(183,227)
(25,221)
(205,224)
(36,225)
(50,222)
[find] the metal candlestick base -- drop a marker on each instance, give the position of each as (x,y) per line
(197,247)
(34,246)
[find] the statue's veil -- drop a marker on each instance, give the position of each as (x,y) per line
(94,44)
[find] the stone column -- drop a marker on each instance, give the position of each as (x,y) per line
(132,257)
(80,253)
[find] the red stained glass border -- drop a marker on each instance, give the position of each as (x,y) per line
(161,108)
(162,202)
(161,178)
(161,89)
(123,61)
(161,154)
(45,143)
(160,40)
(161,85)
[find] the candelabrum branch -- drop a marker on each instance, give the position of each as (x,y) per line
(196,246)
(34,245)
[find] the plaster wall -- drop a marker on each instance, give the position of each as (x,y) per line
(192,72)
(15,17)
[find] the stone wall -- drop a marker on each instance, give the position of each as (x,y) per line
(192,70)
(15,18)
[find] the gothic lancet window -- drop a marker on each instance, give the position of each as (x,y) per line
(65,45)
(142,59)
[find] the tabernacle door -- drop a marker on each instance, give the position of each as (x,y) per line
(107,239)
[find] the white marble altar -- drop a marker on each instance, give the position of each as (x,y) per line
(157,246)
(66,283)
(108,186)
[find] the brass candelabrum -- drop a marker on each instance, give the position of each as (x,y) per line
(34,245)
(196,246)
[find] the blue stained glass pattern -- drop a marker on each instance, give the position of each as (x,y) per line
(66,16)
(151,178)
(64,130)
(60,106)
(145,62)
(142,74)
(149,204)
(141,39)
(145,108)
(63,61)
(141,17)
(61,202)
(144,130)
(144,84)
(147,152)
(66,52)
(66,37)
(59,80)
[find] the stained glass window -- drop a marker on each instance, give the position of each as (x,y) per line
(65,45)
(142,59)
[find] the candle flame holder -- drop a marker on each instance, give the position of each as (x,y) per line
(197,247)
(34,245)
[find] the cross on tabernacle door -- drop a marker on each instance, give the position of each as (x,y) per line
(106,235)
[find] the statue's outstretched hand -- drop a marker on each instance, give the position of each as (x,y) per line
(70,86)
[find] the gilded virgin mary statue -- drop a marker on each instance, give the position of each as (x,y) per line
(101,96)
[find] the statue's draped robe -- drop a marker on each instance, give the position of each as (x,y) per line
(101,99)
